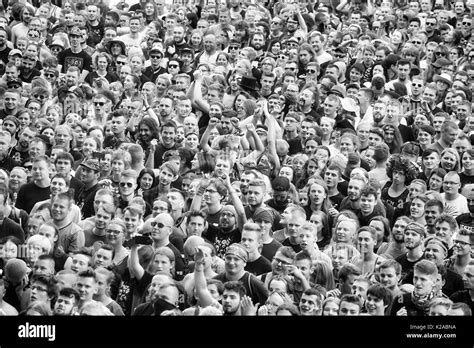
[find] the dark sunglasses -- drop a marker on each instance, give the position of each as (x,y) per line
(466,23)
(72,36)
(121,63)
(233,48)
(173,66)
(156,56)
(440,54)
(38,96)
(157,224)
(311,71)
(128,184)
(51,76)
(99,103)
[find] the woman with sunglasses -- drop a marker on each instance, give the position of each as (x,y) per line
(306,54)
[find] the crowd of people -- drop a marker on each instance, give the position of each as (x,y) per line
(236,157)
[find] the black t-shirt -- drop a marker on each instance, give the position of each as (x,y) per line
(269,250)
(407,267)
(466,221)
(463,296)
(86,201)
(30,194)
(259,266)
(82,60)
(4,54)
(466,179)
(296,247)
(221,239)
(253,287)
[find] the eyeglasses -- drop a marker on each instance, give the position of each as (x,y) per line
(466,23)
(99,103)
(173,66)
(292,69)
(158,224)
(233,48)
(440,54)
(38,96)
(227,214)
(128,184)
(156,57)
(115,232)
(51,76)
(311,71)
(430,23)
(416,42)
(73,36)
(39,288)
(283,262)
(450,183)
(121,63)
(460,242)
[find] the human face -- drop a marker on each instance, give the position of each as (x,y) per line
(374,305)
(64,305)
(309,305)
(79,263)
(366,242)
(414,190)
(88,147)
(348,309)
(354,189)
(196,226)
(306,239)
(255,195)
(417,208)
(461,244)
(388,277)
(431,161)
(344,231)
(114,234)
(103,258)
(448,161)
(347,145)
(451,184)
(279,263)
(166,177)
(127,186)
(412,239)
(161,263)
(131,222)
(230,302)
(234,265)
(39,292)
(40,171)
(87,288)
(424,138)
(444,231)
(423,283)
(88,176)
(168,135)
(433,252)
(431,213)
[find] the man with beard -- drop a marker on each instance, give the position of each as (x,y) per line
(433,209)
(27,69)
(210,53)
(6,162)
(119,127)
(416,303)
(89,177)
(71,236)
(354,189)
(258,43)
(389,275)
(71,80)
(175,48)
(413,237)
(236,258)
(317,41)
(19,153)
(306,103)
(66,303)
(411,103)
(403,75)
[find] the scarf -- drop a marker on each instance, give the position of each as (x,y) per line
(422,302)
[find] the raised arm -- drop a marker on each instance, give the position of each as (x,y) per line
(202,292)
(237,203)
(136,270)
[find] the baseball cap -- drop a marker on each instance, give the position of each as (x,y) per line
(91,164)
(281,183)
(15,52)
(155,49)
(75,31)
(238,251)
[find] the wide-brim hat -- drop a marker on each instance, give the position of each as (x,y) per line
(121,43)
(249,83)
(443,78)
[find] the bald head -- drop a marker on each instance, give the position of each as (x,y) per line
(191,243)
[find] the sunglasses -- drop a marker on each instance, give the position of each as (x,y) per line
(173,66)
(51,76)
(430,23)
(466,23)
(73,36)
(440,54)
(38,96)
(99,103)
(157,224)
(292,69)
(116,232)
(416,42)
(156,57)
(128,184)
(121,63)
(233,48)
(311,71)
